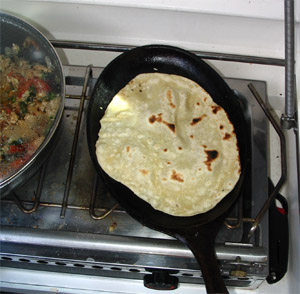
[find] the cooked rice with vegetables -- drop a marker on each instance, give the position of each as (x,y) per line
(28,107)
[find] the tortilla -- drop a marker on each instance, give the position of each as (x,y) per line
(166,139)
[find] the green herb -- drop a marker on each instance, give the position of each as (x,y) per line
(23,107)
(5,157)
(17,142)
(51,96)
(12,99)
(32,94)
(18,155)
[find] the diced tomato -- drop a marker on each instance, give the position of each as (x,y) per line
(17,163)
(7,110)
(40,85)
(17,148)
(24,86)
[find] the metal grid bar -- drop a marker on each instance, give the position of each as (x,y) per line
(75,140)
(283,156)
(35,204)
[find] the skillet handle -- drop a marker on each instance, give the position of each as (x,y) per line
(202,244)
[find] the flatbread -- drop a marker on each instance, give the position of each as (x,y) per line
(166,139)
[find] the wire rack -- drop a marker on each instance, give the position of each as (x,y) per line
(87,84)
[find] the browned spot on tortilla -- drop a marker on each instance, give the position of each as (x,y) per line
(227,136)
(177,177)
(158,118)
(144,172)
(211,155)
(128,148)
(152,119)
(179,148)
(221,127)
(215,109)
(171,126)
(198,103)
(165,150)
(164,179)
(169,97)
(191,136)
(204,146)
(169,162)
(197,119)
(205,99)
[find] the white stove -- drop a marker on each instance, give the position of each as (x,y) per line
(66,246)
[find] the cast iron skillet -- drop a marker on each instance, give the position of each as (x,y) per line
(197,232)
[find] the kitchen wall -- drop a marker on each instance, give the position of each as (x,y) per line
(236,27)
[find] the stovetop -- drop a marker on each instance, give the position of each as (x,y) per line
(65,220)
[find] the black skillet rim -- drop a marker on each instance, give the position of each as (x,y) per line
(135,206)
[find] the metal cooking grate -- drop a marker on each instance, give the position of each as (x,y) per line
(31,206)
(58,248)
(86,85)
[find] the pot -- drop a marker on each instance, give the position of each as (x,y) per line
(197,232)
(15,31)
